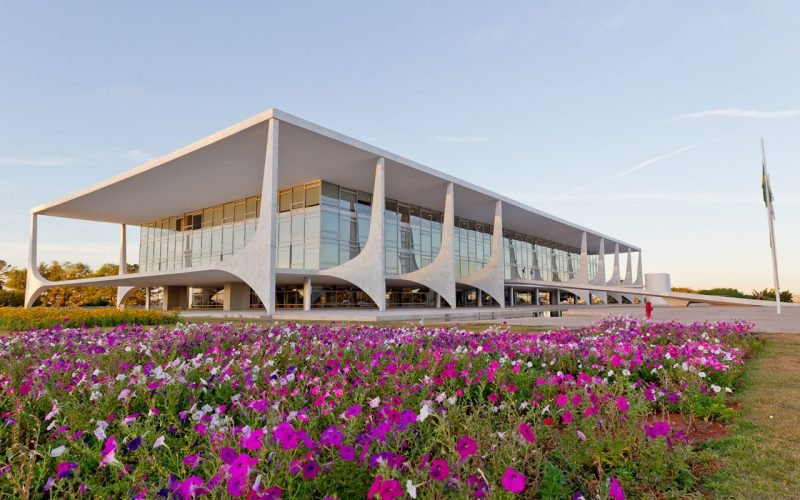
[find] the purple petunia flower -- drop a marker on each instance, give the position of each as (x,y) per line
(513,481)
(439,469)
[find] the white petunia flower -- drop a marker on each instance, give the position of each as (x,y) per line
(411,489)
(57,452)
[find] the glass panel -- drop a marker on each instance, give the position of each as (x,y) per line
(312,227)
(330,194)
(284,252)
(297,227)
(250,207)
(284,229)
(285,201)
(330,225)
(329,254)
(298,197)
(238,212)
(312,196)
(227,239)
(227,212)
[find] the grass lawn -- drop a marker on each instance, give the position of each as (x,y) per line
(761,456)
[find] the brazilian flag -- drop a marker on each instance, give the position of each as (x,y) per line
(766,190)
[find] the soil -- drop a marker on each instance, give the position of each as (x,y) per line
(696,430)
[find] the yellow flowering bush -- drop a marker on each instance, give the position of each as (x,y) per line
(17,318)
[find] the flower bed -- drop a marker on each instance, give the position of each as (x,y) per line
(310,411)
(17,318)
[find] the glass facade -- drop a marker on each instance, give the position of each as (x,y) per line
(413,236)
(299,227)
(530,258)
(198,238)
(473,246)
(321,225)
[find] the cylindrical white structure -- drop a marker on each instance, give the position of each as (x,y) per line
(657,282)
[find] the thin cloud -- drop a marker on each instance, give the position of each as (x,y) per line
(461,139)
(740,113)
(626,172)
(698,198)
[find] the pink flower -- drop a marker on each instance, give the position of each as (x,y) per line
(439,469)
(348,453)
(615,490)
(576,400)
(566,417)
(108,452)
(562,399)
(385,490)
(494,398)
(352,412)
(527,432)
(622,404)
(513,481)
(186,489)
(466,447)
(252,441)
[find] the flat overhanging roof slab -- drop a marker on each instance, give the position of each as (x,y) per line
(229,165)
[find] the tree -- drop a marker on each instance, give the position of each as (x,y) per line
(15,279)
(4,268)
(683,289)
(769,294)
(725,292)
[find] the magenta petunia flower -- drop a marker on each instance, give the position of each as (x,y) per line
(353,412)
(348,453)
(439,469)
(252,441)
(527,432)
(64,469)
(566,417)
(622,404)
(615,490)
(466,447)
(513,481)
(228,455)
(310,469)
(189,487)
(562,399)
(331,437)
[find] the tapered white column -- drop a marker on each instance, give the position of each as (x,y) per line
(628,281)
(614,280)
(307,293)
(367,270)
(600,277)
(491,279)
(639,276)
(34,282)
(582,276)
(123,250)
(440,275)
(255,263)
(123,291)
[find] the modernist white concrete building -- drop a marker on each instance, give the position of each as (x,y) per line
(276,213)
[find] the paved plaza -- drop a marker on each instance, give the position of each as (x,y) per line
(765,318)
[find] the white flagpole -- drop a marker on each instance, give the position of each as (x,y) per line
(770,217)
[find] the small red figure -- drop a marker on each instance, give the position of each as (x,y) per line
(648,309)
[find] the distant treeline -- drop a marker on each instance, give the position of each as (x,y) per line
(765,294)
(12,285)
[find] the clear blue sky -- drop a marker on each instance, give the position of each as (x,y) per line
(639,119)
